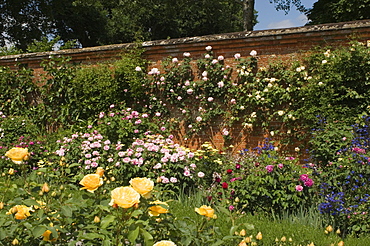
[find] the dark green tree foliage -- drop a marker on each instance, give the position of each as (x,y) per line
(22,21)
(99,22)
(333,11)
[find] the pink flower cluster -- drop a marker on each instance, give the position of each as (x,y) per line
(307,181)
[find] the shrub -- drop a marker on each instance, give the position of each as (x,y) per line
(262,180)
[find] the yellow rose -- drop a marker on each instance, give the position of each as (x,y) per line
(21,212)
(91,182)
(164,243)
(242,243)
(46,236)
(157,209)
(259,236)
(206,211)
(142,185)
(329,228)
(124,197)
(100,171)
(45,188)
(18,155)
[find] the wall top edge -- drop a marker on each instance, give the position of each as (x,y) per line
(207,38)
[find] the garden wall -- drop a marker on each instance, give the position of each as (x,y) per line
(282,43)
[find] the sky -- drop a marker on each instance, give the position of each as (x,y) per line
(270,18)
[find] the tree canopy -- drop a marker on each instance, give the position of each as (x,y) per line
(333,11)
(101,22)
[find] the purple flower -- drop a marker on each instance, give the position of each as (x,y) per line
(270,168)
(231,207)
(280,165)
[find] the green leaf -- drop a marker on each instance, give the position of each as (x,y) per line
(106,221)
(148,238)
(91,236)
(31,202)
(133,234)
(38,230)
(2,234)
(67,211)
(232,230)
(106,243)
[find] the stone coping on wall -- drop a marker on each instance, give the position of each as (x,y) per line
(267,42)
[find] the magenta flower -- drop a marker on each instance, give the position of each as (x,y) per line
(308,182)
(280,165)
(359,150)
(303,177)
(270,168)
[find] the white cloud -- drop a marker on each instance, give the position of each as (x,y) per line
(281,24)
(300,20)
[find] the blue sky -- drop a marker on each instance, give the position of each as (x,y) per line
(270,18)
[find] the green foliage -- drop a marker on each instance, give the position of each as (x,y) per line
(328,138)
(262,181)
(94,23)
(343,175)
(334,11)
(57,94)
(18,92)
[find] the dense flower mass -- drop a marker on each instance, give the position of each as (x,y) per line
(134,143)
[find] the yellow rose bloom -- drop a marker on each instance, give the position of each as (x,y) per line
(164,243)
(206,211)
(91,182)
(157,209)
(124,197)
(259,236)
(18,155)
(142,185)
(21,212)
(46,236)
(100,171)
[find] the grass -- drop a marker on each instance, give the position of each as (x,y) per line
(302,228)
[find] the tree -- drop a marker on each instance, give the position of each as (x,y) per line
(101,22)
(22,21)
(332,11)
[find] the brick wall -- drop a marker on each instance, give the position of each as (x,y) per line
(282,43)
